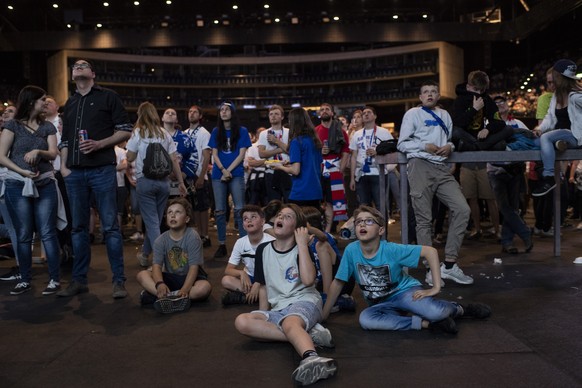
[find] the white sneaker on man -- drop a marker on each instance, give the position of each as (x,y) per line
(428,279)
(455,274)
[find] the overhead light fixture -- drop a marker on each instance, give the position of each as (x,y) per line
(325,19)
(395,17)
(294,20)
(106,4)
(277,20)
(55,5)
(267,21)
(216,21)
(425,16)
(169,2)
(99,25)
(266,6)
(199,23)
(336,18)
(136,3)
(69,25)
(10,7)
(235,6)
(524,4)
(164,24)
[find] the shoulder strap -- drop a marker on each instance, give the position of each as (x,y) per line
(438,120)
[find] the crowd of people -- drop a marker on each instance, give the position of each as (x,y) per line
(290,187)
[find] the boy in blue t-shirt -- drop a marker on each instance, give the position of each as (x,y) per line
(378,268)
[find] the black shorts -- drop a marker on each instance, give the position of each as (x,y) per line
(175,282)
(201,199)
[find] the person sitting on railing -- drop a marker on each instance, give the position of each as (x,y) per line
(477,126)
(562,126)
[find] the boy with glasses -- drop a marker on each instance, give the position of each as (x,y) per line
(378,267)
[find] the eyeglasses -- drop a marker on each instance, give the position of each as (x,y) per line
(365,221)
(80,66)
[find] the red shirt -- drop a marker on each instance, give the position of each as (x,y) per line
(323,134)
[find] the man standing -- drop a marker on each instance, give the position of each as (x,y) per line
(273,144)
(195,168)
(365,173)
(335,153)
(425,138)
(94,121)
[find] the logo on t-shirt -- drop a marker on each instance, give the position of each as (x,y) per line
(292,274)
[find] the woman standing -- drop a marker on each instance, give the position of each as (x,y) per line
(229,142)
(152,194)
(304,160)
(27,145)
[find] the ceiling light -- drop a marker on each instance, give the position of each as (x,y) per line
(99,25)
(277,20)
(235,6)
(10,7)
(424,16)
(136,3)
(106,4)
(294,20)
(336,18)
(325,19)
(216,21)
(169,2)
(395,17)
(199,23)
(267,21)
(164,24)
(69,25)
(266,6)
(226,22)
(55,5)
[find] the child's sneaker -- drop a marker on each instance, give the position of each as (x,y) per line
(321,336)
(314,368)
(346,303)
(20,288)
(52,288)
(447,325)
(476,310)
(145,298)
(233,297)
(172,304)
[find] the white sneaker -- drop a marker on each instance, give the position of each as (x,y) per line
(137,236)
(142,259)
(428,279)
(579,226)
(321,336)
(314,368)
(52,288)
(578,260)
(456,274)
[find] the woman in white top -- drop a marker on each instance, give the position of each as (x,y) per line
(152,193)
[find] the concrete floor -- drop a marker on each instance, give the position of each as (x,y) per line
(532,340)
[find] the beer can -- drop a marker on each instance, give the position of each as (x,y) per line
(83,135)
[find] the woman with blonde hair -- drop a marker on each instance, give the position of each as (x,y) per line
(152,194)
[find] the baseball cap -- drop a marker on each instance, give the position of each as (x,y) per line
(567,68)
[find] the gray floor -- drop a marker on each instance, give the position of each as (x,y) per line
(532,340)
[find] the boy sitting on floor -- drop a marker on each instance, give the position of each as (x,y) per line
(290,306)
(177,261)
(378,268)
(240,282)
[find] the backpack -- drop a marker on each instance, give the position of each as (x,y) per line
(157,163)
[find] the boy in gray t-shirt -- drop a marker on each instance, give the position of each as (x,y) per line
(177,260)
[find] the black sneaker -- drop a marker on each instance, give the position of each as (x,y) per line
(119,291)
(233,297)
(74,288)
(548,185)
(447,325)
(221,252)
(172,304)
(20,288)
(52,288)
(206,242)
(477,310)
(13,274)
(145,298)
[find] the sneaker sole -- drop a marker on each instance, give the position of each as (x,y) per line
(50,292)
(20,292)
(313,372)
(168,305)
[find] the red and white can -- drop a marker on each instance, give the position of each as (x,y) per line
(83,135)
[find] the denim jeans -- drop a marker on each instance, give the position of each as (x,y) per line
(547,141)
(388,315)
(236,188)
(29,214)
(8,223)
(102,181)
(506,190)
(152,195)
(368,190)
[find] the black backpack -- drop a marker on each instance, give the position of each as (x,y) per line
(157,163)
